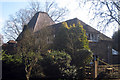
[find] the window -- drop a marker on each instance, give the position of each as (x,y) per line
(92,37)
(88,36)
(114,52)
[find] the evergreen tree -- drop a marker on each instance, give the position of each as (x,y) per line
(77,38)
(74,41)
(70,38)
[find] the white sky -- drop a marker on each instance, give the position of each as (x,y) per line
(1,18)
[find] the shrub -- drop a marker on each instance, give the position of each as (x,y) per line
(56,64)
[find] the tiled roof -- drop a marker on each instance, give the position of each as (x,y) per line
(87,27)
(11,41)
(39,20)
(42,19)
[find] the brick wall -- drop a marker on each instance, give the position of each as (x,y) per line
(103,49)
(116,59)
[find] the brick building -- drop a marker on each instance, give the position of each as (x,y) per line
(100,44)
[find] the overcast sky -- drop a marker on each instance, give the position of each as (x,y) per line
(10,7)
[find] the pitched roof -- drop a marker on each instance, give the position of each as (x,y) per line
(12,41)
(42,19)
(87,27)
(39,20)
(104,37)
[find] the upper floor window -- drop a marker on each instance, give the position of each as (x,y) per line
(92,36)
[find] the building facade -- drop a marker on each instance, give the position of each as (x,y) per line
(99,44)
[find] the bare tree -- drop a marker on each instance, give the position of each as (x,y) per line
(56,13)
(106,12)
(15,24)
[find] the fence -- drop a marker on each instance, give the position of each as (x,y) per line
(103,71)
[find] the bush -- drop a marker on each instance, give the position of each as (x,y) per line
(56,64)
(12,68)
(81,58)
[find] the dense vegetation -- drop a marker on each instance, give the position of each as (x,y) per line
(67,57)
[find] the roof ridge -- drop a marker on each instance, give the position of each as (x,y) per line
(85,26)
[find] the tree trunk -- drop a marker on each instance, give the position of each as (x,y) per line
(28,77)
(28,73)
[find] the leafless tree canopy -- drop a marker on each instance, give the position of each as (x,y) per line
(105,12)
(15,24)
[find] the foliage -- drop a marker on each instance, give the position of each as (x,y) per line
(31,47)
(61,38)
(78,36)
(29,50)
(116,39)
(56,64)
(80,59)
(12,66)
(7,58)
(77,44)
(71,38)
(13,63)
